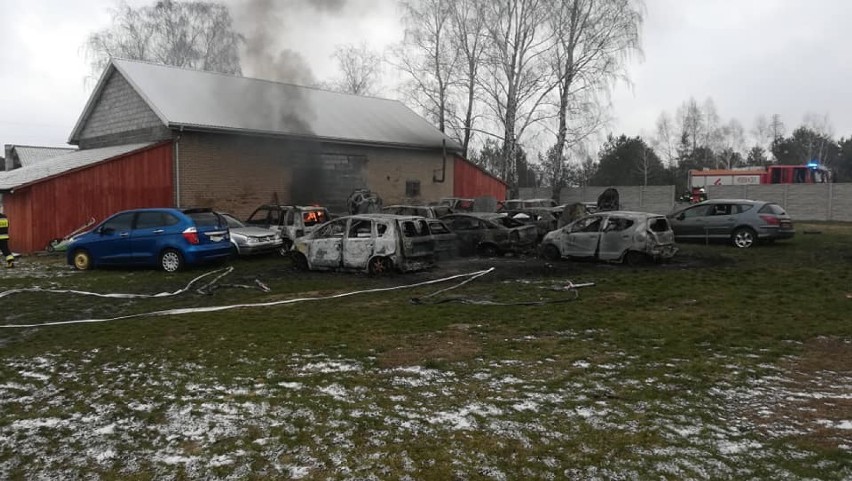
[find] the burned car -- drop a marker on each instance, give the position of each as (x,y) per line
(446,241)
(490,234)
(290,221)
(428,211)
(615,236)
(375,243)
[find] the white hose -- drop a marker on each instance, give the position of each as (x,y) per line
(195,310)
(226,270)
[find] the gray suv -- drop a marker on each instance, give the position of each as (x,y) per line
(741,222)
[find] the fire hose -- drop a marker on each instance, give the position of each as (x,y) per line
(207,288)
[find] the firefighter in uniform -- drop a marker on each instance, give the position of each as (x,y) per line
(4,241)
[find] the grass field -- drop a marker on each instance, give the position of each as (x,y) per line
(722,364)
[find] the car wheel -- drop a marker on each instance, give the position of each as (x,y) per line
(743,238)
(488,250)
(82,260)
(551,253)
(171,260)
(379,266)
(300,262)
(634,258)
(235,251)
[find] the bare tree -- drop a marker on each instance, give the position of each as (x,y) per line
(776,126)
(666,139)
(691,120)
(732,142)
(517,79)
(428,57)
(593,40)
(360,70)
(469,40)
(191,34)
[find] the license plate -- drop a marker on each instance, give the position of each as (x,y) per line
(216,238)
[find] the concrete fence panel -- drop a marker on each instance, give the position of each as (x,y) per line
(840,202)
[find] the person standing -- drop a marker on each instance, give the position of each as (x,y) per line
(4,240)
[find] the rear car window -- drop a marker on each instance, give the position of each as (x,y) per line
(660,224)
(411,228)
(206,219)
(314,217)
(772,209)
(438,228)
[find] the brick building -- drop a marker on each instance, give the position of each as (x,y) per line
(234,143)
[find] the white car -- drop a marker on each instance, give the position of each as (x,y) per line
(249,240)
(375,243)
(615,236)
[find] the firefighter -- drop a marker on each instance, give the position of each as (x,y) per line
(4,240)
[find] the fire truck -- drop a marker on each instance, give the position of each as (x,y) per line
(700,180)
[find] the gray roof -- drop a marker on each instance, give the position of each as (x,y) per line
(17,178)
(198,100)
(29,155)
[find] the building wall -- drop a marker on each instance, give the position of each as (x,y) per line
(238,173)
(121,116)
(55,207)
(471,182)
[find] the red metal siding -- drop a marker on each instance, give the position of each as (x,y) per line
(469,181)
(57,206)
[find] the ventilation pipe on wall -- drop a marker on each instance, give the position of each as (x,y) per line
(443,166)
(177,167)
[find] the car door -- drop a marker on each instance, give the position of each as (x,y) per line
(417,241)
(721,220)
(445,240)
(691,222)
(469,233)
(151,233)
(616,237)
(326,245)
(112,243)
(583,237)
(359,244)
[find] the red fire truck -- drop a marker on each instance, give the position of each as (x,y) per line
(700,180)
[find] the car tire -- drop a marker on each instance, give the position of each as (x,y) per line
(551,253)
(488,250)
(82,260)
(744,237)
(379,266)
(300,262)
(284,250)
(171,260)
(635,258)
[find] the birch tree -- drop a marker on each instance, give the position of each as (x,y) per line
(593,41)
(516,81)
(428,56)
(360,69)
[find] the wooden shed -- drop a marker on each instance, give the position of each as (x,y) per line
(51,199)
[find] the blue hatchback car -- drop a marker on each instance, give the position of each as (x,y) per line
(167,238)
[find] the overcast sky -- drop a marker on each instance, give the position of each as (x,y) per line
(752,57)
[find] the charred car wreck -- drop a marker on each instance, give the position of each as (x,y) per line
(615,236)
(375,243)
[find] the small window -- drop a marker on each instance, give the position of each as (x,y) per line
(381,229)
(291,218)
(206,219)
(721,209)
(331,230)
(464,223)
(699,211)
(150,220)
(438,228)
(314,217)
(589,224)
(361,229)
(412,188)
(660,224)
(121,222)
(618,224)
(772,209)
